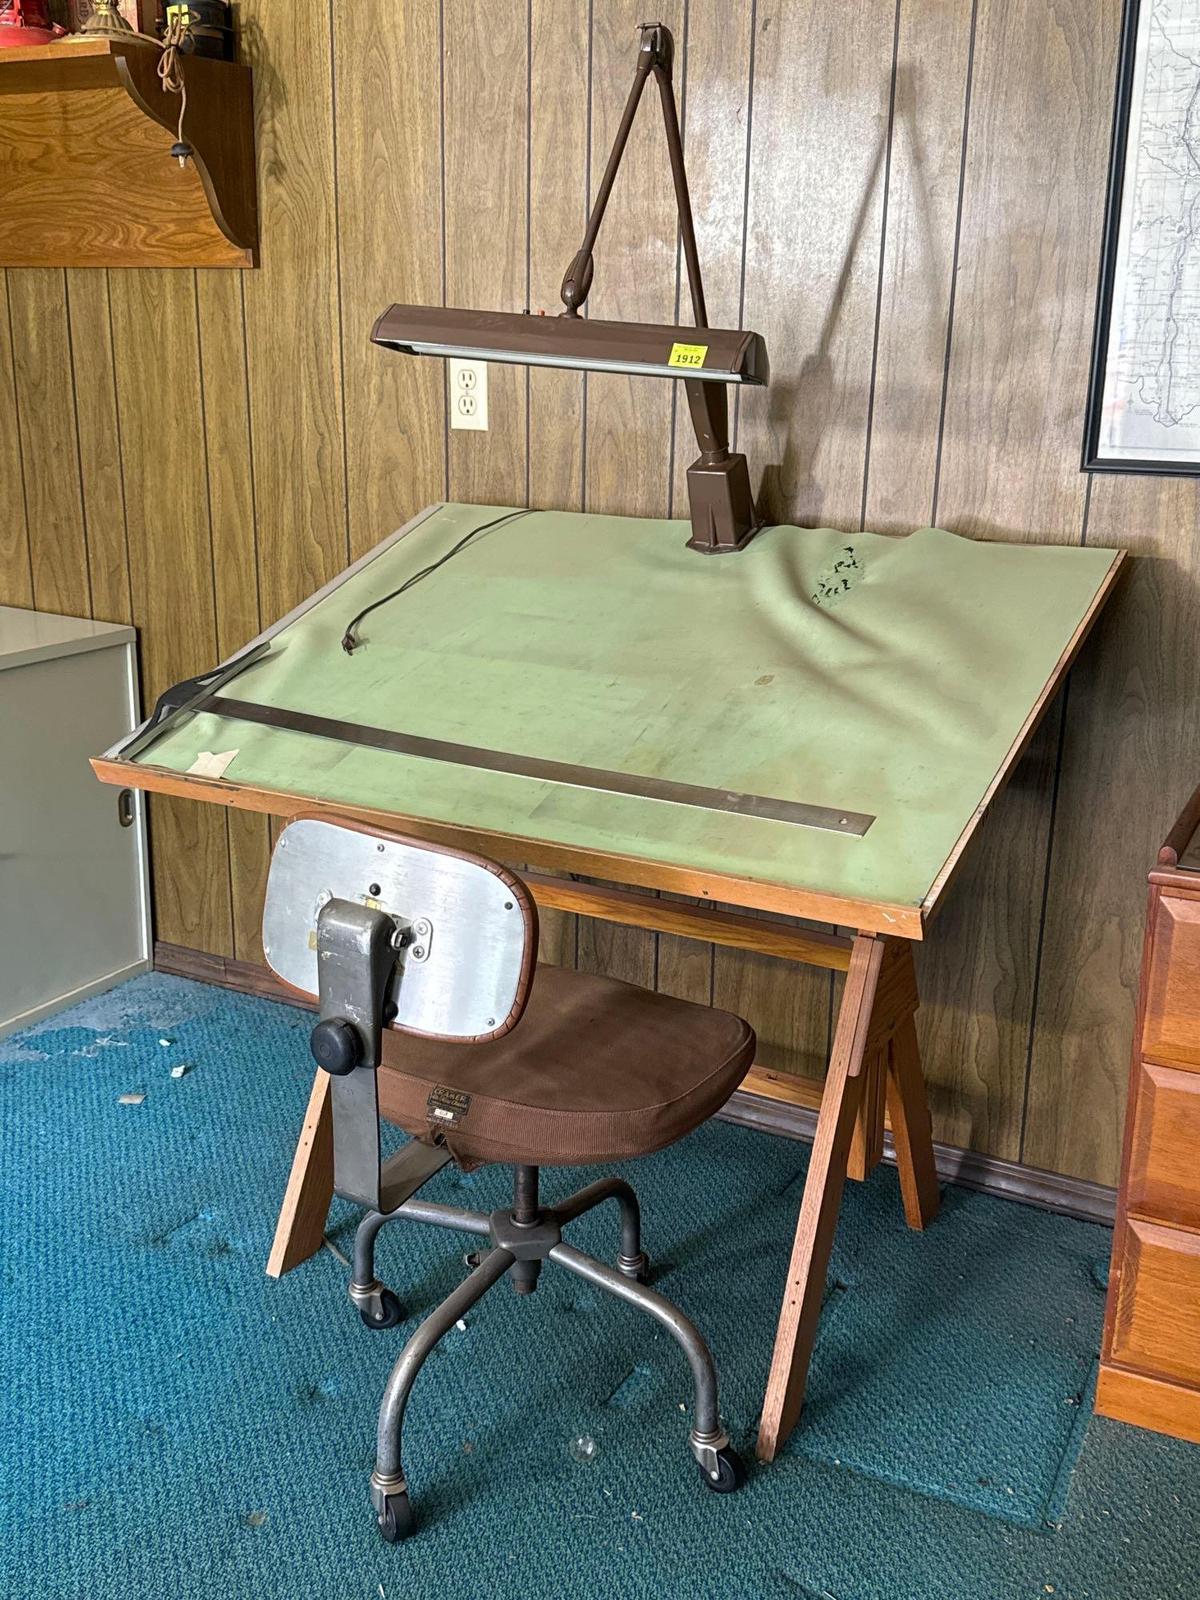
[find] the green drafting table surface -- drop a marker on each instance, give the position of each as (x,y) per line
(813,725)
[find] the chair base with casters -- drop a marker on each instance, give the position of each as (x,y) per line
(423,962)
(522,1237)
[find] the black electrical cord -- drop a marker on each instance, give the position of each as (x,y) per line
(349,642)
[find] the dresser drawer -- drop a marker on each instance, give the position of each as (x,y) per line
(1171,1029)
(1157,1322)
(1164,1153)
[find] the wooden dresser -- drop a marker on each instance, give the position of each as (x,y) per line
(1150,1363)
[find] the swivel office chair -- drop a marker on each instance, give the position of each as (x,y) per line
(424,964)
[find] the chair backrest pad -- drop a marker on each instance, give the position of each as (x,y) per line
(470,926)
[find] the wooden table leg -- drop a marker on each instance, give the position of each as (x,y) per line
(866,1146)
(301,1225)
(805,1287)
(908,1112)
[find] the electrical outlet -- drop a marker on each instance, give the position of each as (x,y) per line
(468,394)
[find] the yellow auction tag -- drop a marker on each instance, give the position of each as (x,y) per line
(687,355)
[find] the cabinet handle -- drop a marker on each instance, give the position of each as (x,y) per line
(126,810)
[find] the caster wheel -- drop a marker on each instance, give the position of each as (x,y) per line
(396,1521)
(391,1313)
(731,1474)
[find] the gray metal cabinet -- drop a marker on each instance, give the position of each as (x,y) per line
(74,896)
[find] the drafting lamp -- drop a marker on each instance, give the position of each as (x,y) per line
(705,359)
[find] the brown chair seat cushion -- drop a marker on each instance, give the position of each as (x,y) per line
(595,1070)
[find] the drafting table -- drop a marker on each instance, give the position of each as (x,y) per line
(814,726)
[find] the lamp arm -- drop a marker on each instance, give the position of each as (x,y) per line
(683,202)
(722,505)
(708,404)
(578,279)
(656,55)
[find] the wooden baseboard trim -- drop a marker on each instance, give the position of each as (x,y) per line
(773,1101)
(789,1106)
(247,977)
(1146,1402)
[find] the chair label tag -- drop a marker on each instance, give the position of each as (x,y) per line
(446,1108)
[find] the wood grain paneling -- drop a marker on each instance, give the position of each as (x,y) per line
(486,64)
(560,51)
(161,422)
(629,419)
(292,312)
(1128,765)
(49,445)
(1041,80)
(905,199)
(389,214)
(789,1008)
(822,86)
(16,576)
(220,309)
(714,86)
(976,970)
(933,54)
(94,375)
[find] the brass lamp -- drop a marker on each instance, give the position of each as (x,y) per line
(106,22)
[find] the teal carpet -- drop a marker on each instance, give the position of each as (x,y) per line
(174,1424)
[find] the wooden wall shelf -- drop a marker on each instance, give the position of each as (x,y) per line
(86,176)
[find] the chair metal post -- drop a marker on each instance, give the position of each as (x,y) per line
(525,1196)
(440,1216)
(632,1261)
(376,1304)
(388,1476)
(372,1224)
(526,1213)
(708,1438)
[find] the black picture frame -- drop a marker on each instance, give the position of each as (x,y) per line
(1093,459)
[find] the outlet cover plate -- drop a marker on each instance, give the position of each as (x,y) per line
(468,397)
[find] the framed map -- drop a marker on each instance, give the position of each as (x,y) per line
(1144,402)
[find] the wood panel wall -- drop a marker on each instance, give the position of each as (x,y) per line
(905,198)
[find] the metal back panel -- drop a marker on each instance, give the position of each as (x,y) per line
(469,927)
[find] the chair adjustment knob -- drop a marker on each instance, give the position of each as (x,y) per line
(336,1046)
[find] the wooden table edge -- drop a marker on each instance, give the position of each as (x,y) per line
(1020,744)
(750,894)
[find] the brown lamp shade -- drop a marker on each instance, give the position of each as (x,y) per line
(721,355)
